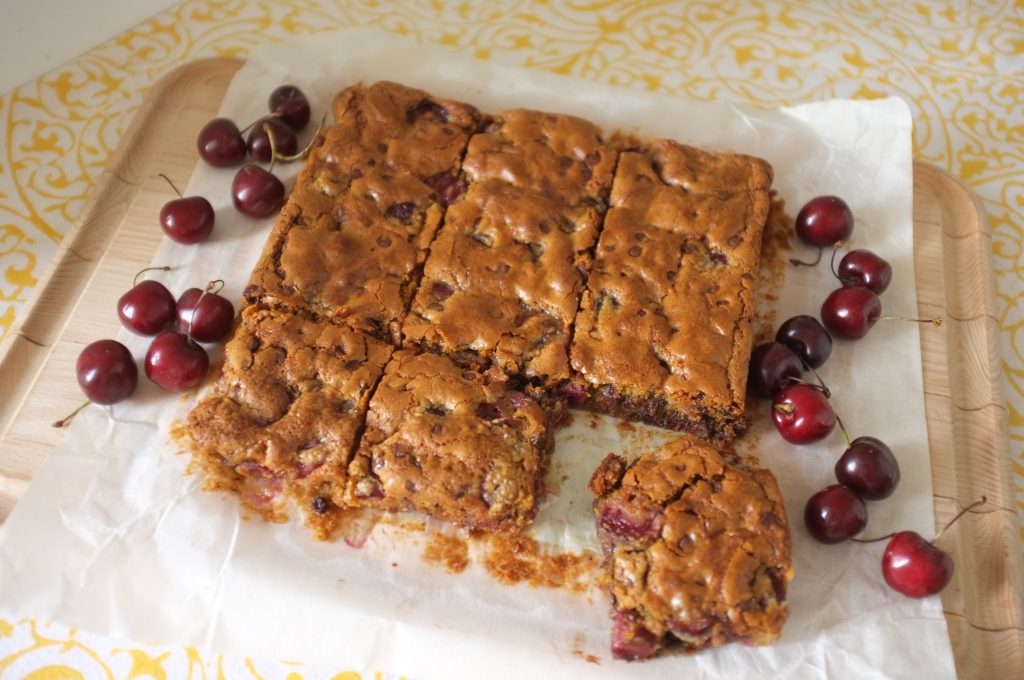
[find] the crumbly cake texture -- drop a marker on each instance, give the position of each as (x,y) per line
(504,278)
(287,410)
(451,442)
(697,550)
(353,235)
(663,334)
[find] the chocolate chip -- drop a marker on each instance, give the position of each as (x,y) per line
(306,445)
(299,220)
(321,505)
(402,212)
(536,250)
(635,251)
(488,411)
(384,242)
(435,410)
(255,343)
(734,241)
(427,107)
(718,257)
(441,290)
(280,354)
(592,159)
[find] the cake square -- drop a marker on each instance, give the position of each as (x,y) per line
(503,282)
(697,550)
(286,412)
(663,333)
(452,443)
(351,239)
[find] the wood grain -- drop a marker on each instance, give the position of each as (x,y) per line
(117,234)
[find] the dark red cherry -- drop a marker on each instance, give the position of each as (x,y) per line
(772,367)
(187,220)
(915,567)
(850,313)
(106,372)
(220,143)
(256,192)
(289,104)
(147,308)
(864,268)
(824,221)
(868,468)
(176,363)
(835,514)
(210,321)
(802,414)
(285,143)
(807,338)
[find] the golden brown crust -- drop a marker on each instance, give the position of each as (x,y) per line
(697,550)
(291,399)
(450,442)
(663,333)
(352,236)
(504,278)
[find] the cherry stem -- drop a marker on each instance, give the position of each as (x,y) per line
(963,511)
(305,150)
(937,321)
(212,288)
(832,262)
(172,184)
(63,422)
(165,268)
(800,381)
(800,263)
(842,428)
(873,540)
(273,149)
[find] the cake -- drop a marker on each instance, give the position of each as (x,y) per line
(451,442)
(505,274)
(663,333)
(697,550)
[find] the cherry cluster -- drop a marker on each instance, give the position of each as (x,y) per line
(175,361)
(256,191)
(802,413)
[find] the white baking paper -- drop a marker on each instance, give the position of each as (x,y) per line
(112,537)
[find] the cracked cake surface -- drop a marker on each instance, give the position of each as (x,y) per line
(697,550)
(505,275)
(663,333)
(353,234)
(289,404)
(451,442)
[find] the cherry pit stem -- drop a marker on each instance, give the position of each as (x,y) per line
(835,248)
(963,511)
(172,184)
(301,153)
(937,321)
(63,422)
(164,268)
(212,288)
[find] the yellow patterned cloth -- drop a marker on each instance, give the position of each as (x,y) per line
(959,65)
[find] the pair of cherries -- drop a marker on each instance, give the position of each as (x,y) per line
(175,361)
(256,191)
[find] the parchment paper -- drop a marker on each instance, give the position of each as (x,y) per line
(112,537)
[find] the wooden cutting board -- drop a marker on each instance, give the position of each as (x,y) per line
(117,235)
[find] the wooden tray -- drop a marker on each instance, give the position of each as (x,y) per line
(118,233)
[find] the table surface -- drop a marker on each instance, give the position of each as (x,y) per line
(959,65)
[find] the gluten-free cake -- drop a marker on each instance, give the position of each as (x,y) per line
(697,550)
(505,274)
(452,442)
(286,413)
(663,333)
(354,233)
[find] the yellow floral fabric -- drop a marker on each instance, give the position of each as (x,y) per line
(959,65)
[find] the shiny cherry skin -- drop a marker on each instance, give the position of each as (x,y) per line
(849,313)
(256,192)
(288,103)
(835,514)
(187,220)
(175,363)
(802,414)
(285,141)
(106,372)
(147,308)
(221,144)
(868,468)
(807,338)
(824,221)
(915,567)
(772,367)
(210,321)
(864,268)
